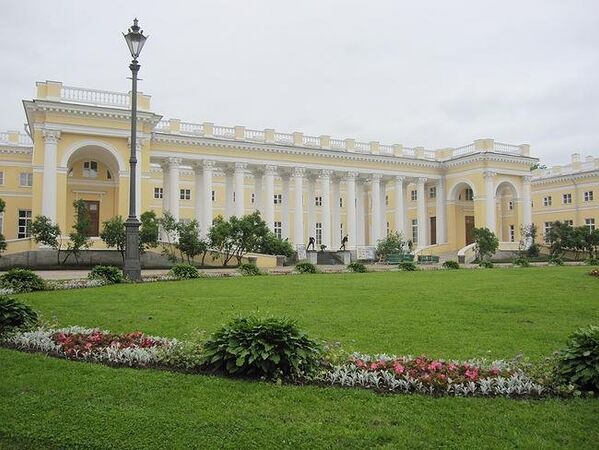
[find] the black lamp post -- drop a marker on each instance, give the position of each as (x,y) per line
(132,266)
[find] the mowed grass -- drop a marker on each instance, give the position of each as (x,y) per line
(50,403)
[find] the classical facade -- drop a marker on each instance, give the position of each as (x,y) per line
(78,148)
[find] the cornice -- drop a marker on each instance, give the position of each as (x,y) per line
(489,156)
(566,177)
(18,150)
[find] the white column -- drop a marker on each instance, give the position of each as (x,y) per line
(258,190)
(325,191)
(361,217)
(490,199)
(49,184)
(421,213)
(383,203)
(441,212)
(350,201)
(173,186)
(375,198)
(285,214)
(400,211)
(208,167)
(240,189)
(336,214)
(269,194)
(198,198)
(298,225)
(311,207)
(229,189)
(526,202)
(165,186)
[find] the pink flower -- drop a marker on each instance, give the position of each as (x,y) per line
(472,373)
(374,366)
(398,368)
(435,365)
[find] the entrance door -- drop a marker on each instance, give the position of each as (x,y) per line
(433,229)
(469,226)
(93,207)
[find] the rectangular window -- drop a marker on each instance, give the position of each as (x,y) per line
(567,199)
(253,197)
(185,194)
(510,205)
(569,222)
(414,195)
(318,233)
(386,200)
(469,194)
(278,229)
(26,179)
(278,199)
(588,196)
(90,169)
(24,223)
(213,196)
(432,192)
(340,202)
(388,229)
(1,178)
(590,223)
(512,233)
(158,192)
(317,201)
(341,230)
(414,231)
(547,201)
(546,229)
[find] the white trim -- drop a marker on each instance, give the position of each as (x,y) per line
(73,148)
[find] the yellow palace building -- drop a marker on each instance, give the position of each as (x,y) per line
(77,147)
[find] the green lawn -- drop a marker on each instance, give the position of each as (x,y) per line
(498,313)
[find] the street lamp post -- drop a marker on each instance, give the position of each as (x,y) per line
(132,267)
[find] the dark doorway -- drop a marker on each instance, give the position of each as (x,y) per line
(433,229)
(469,225)
(93,207)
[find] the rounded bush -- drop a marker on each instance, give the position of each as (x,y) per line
(22,280)
(357,267)
(268,348)
(407,266)
(593,261)
(15,315)
(451,265)
(522,262)
(578,362)
(486,264)
(184,271)
(594,273)
(306,267)
(110,274)
(556,261)
(249,270)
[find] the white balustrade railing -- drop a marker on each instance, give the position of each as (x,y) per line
(192,128)
(337,144)
(362,147)
(386,149)
(408,151)
(3,136)
(506,148)
(430,154)
(255,135)
(283,138)
(94,97)
(163,125)
(311,141)
(224,132)
(464,150)
(22,139)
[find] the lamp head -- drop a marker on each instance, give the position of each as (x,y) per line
(135,39)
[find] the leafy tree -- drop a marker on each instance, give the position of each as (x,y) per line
(114,234)
(237,236)
(538,166)
(79,237)
(190,244)
(2,239)
(47,233)
(273,245)
(170,228)
(148,231)
(393,243)
(559,238)
(486,243)
(528,246)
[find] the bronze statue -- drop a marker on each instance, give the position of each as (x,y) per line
(311,242)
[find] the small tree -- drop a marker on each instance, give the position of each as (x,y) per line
(79,237)
(47,233)
(148,231)
(114,235)
(558,238)
(170,229)
(273,245)
(393,243)
(486,243)
(190,244)
(237,236)
(2,239)
(527,246)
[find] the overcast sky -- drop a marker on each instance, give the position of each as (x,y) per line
(435,73)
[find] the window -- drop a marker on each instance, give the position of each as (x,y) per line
(1,178)
(546,229)
(590,223)
(318,233)
(234,197)
(185,194)
(414,231)
(253,198)
(317,201)
(26,179)
(588,196)
(341,231)
(468,195)
(278,200)
(512,233)
(569,222)
(108,175)
(213,196)
(510,205)
(388,229)
(386,200)
(24,223)
(547,201)
(340,202)
(158,192)
(567,199)
(278,229)
(414,195)
(432,192)
(90,169)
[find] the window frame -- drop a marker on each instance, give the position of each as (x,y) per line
(27,225)
(184,194)
(28,178)
(90,172)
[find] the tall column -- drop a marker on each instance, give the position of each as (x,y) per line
(325,217)
(208,168)
(311,207)
(229,190)
(350,201)
(269,194)
(49,191)
(490,205)
(198,198)
(298,217)
(361,216)
(375,196)
(526,202)
(441,212)
(285,214)
(383,203)
(336,214)
(400,210)
(421,213)
(165,186)
(240,189)
(258,190)
(173,186)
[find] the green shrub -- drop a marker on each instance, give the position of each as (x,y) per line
(249,270)
(578,362)
(306,267)
(110,274)
(187,355)
(184,271)
(22,280)
(451,265)
(556,261)
(357,267)
(15,315)
(268,348)
(592,262)
(594,273)
(521,261)
(485,264)
(407,266)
